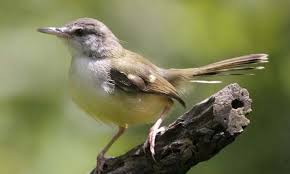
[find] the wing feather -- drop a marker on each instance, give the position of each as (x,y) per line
(149,83)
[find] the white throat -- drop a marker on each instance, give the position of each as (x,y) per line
(91,75)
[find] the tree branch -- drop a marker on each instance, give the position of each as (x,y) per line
(196,136)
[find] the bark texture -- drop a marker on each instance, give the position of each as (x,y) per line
(195,136)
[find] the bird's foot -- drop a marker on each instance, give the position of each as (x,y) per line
(151,140)
(100,164)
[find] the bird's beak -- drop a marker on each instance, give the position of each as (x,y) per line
(60,32)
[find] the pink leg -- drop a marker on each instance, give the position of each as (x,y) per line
(154,130)
(101,157)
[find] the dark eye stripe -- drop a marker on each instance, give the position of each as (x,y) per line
(79,32)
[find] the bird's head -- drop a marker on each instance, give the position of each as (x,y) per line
(88,37)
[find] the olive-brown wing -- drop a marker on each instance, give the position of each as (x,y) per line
(144,82)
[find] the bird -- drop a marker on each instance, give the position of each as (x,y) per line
(117,86)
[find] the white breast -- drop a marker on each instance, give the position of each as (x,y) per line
(91,75)
(89,84)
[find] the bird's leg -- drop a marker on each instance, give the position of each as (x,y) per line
(101,156)
(154,130)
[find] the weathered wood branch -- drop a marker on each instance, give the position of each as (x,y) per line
(196,136)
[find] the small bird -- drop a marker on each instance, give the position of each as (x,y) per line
(115,85)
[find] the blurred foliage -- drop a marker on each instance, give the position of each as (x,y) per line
(42,131)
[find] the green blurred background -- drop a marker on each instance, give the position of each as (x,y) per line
(42,131)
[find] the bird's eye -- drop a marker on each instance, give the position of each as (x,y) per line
(79,32)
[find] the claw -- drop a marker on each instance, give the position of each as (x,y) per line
(154,130)
(100,164)
(101,157)
(152,137)
(151,140)
(145,145)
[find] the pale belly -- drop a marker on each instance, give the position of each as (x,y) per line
(115,106)
(120,108)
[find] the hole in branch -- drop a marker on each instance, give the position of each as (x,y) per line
(237,104)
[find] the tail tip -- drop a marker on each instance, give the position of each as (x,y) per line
(260,67)
(262,57)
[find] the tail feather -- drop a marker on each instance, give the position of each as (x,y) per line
(233,66)
(231,71)
(206,81)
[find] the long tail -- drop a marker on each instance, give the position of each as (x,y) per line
(233,66)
